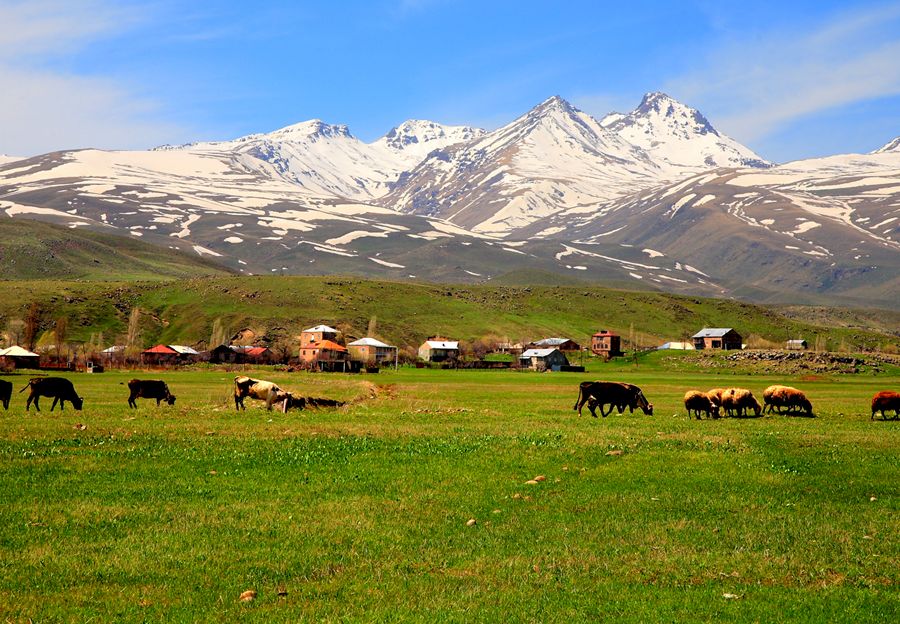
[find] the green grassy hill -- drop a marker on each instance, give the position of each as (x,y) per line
(404,313)
(37,250)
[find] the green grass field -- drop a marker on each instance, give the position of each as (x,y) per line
(360,513)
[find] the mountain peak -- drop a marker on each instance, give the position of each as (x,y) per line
(679,135)
(421,134)
(313,128)
(554,103)
(891,146)
(658,103)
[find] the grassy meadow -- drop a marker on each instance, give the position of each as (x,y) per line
(360,513)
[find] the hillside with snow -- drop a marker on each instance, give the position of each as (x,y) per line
(656,198)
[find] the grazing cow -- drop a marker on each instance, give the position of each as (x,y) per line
(5,393)
(886,401)
(736,400)
(60,388)
(786,397)
(258,389)
(614,394)
(149,389)
(697,402)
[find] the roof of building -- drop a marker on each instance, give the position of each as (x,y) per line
(321,329)
(684,346)
(114,349)
(551,342)
(538,353)
(443,344)
(328,345)
(370,342)
(798,341)
(17,351)
(605,332)
(712,332)
(162,349)
(183,350)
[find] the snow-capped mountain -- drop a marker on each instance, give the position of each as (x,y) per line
(326,159)
(656,198)
(551,158)
(678,136)
(891,146)
(415,138)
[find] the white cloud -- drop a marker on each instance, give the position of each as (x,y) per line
(754,86)
(45,109)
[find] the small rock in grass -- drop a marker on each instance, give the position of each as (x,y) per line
(248,596)
(472,522)
(496,511)
(213,472)
(872,499)
(531,482)
(615,453)
(565,469)
(540,478)
(727,596)
(517,495)
(80,427)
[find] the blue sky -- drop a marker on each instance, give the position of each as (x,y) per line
(791,80)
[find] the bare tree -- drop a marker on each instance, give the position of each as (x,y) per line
(59,334)
(32,324)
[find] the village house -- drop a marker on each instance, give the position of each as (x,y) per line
(606,344)
(327,355)
(18,357)
(240,354)
(717,338)
(543,359)
(373,352)
(312,338)
(563,344)
(437,349)
(796,345)
(163,354)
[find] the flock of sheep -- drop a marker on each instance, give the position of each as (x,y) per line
(785,399)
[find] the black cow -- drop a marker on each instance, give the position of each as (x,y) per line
(5,393)
(59,388)
(149,389)
(612,393)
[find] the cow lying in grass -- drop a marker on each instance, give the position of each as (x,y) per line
(59,388)
(785,397)
(149,389)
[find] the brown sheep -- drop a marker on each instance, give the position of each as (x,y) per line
(736,400)
(697,402)
(886,401)
(786,397)
(715,395)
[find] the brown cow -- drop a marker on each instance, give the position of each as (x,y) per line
(886,400)
(697,402)
(786,397)
(612,393)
